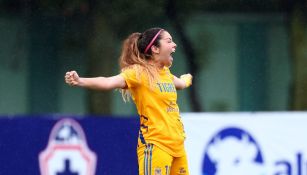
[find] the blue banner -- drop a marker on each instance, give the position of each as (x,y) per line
(46,145)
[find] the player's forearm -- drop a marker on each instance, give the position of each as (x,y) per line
(180,84)
(97,83)
(183,82)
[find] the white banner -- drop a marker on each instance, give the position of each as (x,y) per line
(246,143)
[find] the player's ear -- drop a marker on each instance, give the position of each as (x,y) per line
(155,49)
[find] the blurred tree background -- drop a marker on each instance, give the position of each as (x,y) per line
(95,29)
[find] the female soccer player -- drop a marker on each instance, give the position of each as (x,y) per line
(145,76)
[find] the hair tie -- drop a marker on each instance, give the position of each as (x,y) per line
(152,41)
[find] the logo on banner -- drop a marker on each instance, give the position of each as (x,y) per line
(67,151)
(233,151)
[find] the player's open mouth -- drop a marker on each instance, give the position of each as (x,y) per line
(171,55)
(172,52)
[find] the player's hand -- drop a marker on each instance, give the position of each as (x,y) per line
(187,78)
(72,78)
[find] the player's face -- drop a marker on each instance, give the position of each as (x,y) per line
(166,49)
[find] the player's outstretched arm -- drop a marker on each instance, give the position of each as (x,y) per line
(99,83)
(184,81)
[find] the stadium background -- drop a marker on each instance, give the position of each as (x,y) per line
(244,55)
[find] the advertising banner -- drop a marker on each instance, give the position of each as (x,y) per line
(216,144)
(68,145)
(246,143)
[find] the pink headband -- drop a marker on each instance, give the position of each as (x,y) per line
(152,41)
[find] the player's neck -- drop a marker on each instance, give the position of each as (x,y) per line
(156,63)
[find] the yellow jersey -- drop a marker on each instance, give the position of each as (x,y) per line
(160,122)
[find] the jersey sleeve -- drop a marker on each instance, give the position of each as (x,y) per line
(169,72)
(130,77)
